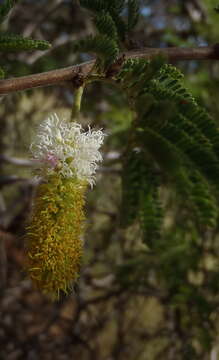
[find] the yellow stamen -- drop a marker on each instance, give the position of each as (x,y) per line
(54,235)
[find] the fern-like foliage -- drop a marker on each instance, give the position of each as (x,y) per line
(14,42)
(140,198)
(120,23)
(171,128)
(109,8)
(179,137)
(133,173)
(150,208)
(112,26)
(133,13)
(101,45)
(204,200)
(106,25)
(170,173)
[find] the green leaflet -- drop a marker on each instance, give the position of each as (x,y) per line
(120,24)
(150,208)
(204,201)
(105,25)
(14,42)
(18,43)
(133,13)
(105,47)
(134,171)
(140,187)
(112,7)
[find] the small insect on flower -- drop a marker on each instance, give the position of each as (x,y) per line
(66,157)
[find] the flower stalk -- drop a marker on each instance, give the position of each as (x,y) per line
(77,103)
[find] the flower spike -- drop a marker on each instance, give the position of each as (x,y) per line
(67,159)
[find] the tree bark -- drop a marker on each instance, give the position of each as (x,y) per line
(71,73)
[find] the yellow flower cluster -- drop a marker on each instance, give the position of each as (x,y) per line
(54,234)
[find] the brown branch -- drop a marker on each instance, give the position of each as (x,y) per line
(71,73)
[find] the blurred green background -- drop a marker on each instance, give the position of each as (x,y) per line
(129,304)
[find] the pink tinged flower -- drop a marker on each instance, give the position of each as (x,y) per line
(67,149)
(51,160)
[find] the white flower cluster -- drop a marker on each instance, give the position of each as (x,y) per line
(66,148)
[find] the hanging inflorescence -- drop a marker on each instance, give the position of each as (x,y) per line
(66,158)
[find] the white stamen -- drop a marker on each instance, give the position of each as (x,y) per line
(75,151)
